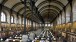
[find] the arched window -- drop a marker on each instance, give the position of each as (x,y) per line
(3,17)
(12,19)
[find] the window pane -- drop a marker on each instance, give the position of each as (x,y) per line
(74,13)
(67,18)
(12,19)
(60,19)
(3,17)
(68,10)
(63,17)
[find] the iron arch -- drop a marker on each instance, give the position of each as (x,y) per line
(57,2)
(51,7)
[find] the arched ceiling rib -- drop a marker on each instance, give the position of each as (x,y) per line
(20,4)
(49,17)
(28,14)
(63,1)
(17,4)
(50,10)
(57,2)
(52,13)
(27,11)
(18,7)
(21,9)
(11,3)
(46,4)
(51,6)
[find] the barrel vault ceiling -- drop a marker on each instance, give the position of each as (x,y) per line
(48,9)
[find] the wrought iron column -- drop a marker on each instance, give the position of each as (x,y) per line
(0,20)
(71,14)
(10,20)
(0,15)
(24,32)
(32,5)
(35,25)
(65,15)
(32,25)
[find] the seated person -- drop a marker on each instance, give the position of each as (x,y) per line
(42,40)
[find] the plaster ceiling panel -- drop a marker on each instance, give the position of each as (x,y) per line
(48,8)
(22,11)
(38,2)
(63,1)
(47,13)
(11,3)
(1,1)
(18,7)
